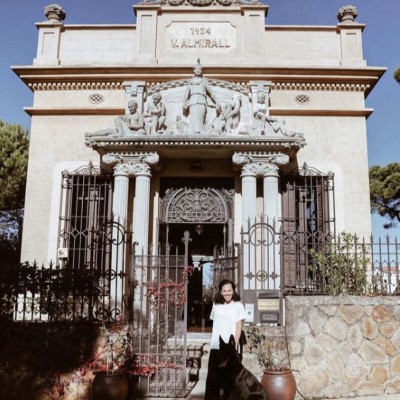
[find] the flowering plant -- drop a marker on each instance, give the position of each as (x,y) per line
(114,350)
(173,293)
(268,350)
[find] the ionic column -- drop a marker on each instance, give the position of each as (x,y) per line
(249,214)
(271,195)
(120,195)
(135,164)
(141,209)
(260,244)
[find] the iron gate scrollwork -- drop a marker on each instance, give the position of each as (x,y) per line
(159,325)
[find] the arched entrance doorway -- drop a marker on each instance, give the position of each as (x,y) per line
(198,223)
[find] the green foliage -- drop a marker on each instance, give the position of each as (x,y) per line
(51,293)
(14,146)
(340,267)
(385,192)
(396,75)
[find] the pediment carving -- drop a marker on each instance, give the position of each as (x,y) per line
(201,3)
(198,107)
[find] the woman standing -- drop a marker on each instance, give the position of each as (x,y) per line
(227,315)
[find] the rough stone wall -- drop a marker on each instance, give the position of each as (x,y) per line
(344,346)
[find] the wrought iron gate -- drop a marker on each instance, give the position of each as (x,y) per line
(159,325)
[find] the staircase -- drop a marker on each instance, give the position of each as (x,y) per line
(198,349)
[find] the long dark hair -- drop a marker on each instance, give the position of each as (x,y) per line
(219,299)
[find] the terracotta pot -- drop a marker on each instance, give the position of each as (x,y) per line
(280,385)
(110,386)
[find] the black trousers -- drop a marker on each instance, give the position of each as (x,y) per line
(214,381)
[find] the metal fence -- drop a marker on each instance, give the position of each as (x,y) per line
(344,264)
(34,292)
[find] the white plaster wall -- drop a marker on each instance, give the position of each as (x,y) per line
(77,98)
(301,47)
(319,99)
(339,144)
(54,139)
(107,45)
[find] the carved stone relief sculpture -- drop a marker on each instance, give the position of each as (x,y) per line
(201,3)
(154,114)
(195,99)
(199,106)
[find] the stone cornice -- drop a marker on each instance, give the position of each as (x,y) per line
(185,143)
(111,77)
(287,85)
(300,111)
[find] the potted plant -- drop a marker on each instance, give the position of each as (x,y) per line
(112,360)
(278,379)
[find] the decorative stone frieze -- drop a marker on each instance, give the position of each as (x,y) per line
(54,13)
(96,98)
(239,86)
(321,86)
(302,99)
(347,14)
(75,85)
(201,3)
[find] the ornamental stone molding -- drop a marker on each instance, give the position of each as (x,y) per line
(259,164)
(201,3)
(316,86)
(260,169)
(75,85)
(133,164)
(347,14)
(54,13)
(240,87)
(132,169)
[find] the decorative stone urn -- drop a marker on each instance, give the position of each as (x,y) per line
(347,14)
(54,13)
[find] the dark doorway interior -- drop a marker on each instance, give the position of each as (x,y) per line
(206,241)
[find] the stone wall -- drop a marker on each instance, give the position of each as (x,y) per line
(342,346)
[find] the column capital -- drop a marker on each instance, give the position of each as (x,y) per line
(260,164)
(134,164)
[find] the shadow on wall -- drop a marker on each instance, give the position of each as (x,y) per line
(35,356)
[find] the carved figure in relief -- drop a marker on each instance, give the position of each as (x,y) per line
(232,117)
(195,100)
(266,122)
(132,123)
(154,114)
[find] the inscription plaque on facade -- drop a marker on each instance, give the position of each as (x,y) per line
(183,36)
(268,304)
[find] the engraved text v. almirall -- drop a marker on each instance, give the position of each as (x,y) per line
(199,43)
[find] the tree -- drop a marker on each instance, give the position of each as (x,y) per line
(14,146)
(396,75)
(385,192)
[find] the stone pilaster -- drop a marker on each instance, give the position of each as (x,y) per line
(134,90)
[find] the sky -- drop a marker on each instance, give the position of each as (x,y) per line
(381,45)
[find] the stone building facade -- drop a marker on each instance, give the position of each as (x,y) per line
(200,117)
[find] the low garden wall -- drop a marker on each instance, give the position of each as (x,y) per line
(341,346)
